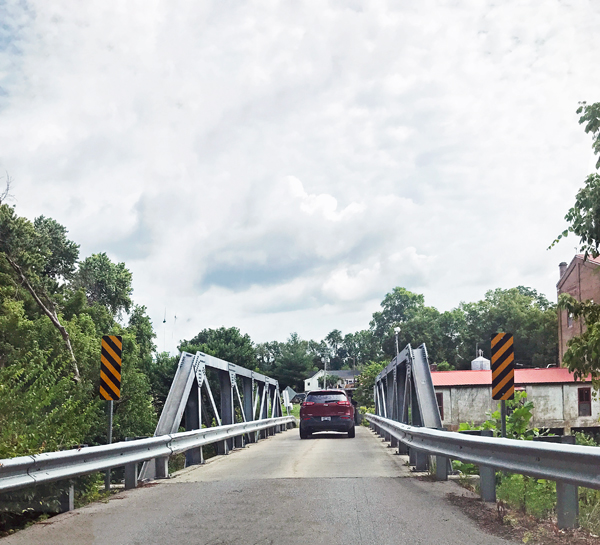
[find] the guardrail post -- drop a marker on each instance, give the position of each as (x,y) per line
(487,475)
(567,498)
(162,467)
(67,499)
(131,476)
(441,465)
(421,460)
(402,449)
(441,468)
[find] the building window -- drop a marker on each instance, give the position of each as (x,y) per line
(585,401)
(440,401)
(570,319)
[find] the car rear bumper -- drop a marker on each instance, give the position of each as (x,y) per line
(337,423)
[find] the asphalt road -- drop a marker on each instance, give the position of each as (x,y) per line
(328,490)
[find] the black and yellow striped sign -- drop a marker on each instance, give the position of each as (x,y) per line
(110,368)
(503,366)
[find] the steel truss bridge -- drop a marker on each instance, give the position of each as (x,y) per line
(230,406)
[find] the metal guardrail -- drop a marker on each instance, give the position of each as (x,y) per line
(573,464)
(569,465)
(24,471)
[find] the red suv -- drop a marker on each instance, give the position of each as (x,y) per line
(326,410)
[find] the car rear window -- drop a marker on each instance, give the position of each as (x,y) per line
(326,397)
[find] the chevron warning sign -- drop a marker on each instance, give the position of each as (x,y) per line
(503,366)
(110,368)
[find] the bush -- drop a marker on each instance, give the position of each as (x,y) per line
(536,497)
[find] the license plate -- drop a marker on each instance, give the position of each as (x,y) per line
(326,418)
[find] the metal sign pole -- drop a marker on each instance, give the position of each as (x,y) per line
(503,416)
(110,426)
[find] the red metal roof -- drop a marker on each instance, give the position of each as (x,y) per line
(484,378)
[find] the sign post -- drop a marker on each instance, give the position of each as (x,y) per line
(503,372)
(110,381)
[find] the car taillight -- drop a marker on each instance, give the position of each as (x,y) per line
(345,403)
(307,403)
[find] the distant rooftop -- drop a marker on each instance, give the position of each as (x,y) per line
(556,375)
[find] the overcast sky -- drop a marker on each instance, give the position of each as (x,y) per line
(281,166)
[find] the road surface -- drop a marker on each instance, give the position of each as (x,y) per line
(328,490)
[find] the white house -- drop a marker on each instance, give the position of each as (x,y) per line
(345,379)
(560,403)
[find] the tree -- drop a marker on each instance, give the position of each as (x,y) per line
(363,394)
(294,364)
(105,283)
(529,316)
(225,343)
(583,353)
(334,340)
(397,306)
(39,259)
(266,355)
(590,115)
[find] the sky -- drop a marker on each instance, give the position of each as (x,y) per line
(279,166)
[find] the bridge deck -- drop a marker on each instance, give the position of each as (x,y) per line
(328,490)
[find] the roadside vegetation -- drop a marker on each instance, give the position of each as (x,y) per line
(520,494)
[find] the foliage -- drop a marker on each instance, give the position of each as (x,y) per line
(105,282)
(37,256)
(519,413)
(584,217)
(331,381)
(363,394)
(453,336)
(294,363)
(225,343)
(445,366)
(583,354)
(398,306)
(536,497)
(529,316)
(590,116)
(43,289)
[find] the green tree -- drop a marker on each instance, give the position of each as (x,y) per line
(583,354)
(529,316)
(363,394)
(41,408)
(590,116)
(105,283)
(38,260)
(225,343)
(337,353)
(294,363)
(398,306)
(583,218)
(266,355)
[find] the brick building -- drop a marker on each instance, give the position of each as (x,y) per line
(581,280)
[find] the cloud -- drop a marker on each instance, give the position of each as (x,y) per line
(282,166)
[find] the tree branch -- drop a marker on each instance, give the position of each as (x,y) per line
(51,313)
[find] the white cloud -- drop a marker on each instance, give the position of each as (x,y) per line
(281,166)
